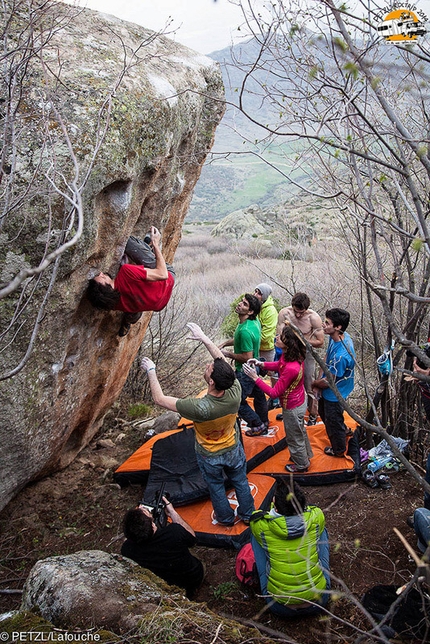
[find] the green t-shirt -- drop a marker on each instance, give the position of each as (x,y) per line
(247,337)
(214,419)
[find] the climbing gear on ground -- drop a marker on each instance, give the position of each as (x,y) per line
(246,568)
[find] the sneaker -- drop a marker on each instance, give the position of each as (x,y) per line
(329,452)
(369,478)
(279,417)
(293,469)
(311,421)
(383,481)
(260,430)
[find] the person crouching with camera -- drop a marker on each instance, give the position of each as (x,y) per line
(163,550)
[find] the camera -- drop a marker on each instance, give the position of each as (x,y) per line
(424,347)
(260,370)
(157,508)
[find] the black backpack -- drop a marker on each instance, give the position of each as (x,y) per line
(411,617)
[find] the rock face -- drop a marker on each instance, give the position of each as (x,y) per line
(92,589)
(95,590)
(302,218)
(160,103)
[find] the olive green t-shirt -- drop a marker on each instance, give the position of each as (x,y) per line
(214,419)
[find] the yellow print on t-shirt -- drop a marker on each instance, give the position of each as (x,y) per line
(217,434)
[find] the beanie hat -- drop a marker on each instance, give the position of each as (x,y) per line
(265,291)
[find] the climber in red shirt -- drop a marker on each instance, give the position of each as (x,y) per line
(144,285)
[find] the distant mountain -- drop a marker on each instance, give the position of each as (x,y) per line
(235,177)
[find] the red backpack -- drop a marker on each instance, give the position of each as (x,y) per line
(246,568)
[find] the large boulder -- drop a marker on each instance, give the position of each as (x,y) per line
(160,104)
(91,589)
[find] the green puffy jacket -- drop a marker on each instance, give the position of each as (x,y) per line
(268,317)
(290,544)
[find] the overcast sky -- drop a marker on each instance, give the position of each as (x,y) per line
(203,25)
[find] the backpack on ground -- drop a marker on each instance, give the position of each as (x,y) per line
(246,568)
(411,616)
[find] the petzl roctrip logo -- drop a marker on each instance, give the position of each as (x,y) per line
(402,23)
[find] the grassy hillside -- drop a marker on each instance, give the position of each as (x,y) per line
(233,176)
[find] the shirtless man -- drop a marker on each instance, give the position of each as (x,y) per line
(310,324)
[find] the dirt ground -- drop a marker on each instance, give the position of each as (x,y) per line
(81,508)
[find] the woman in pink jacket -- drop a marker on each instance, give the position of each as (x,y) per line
(291,391)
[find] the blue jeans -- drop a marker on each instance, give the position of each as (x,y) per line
(258,415)
(332,416)
(233,463)
(284,610)
(422,528)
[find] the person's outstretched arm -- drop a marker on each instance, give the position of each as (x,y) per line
(198,334)
(168,402)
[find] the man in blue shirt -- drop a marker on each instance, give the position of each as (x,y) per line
(340,360)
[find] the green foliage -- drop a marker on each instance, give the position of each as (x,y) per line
(139,410)
(352,69)
(340,44)
(224,589)
(230,322)
(417,244)
(313,72)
